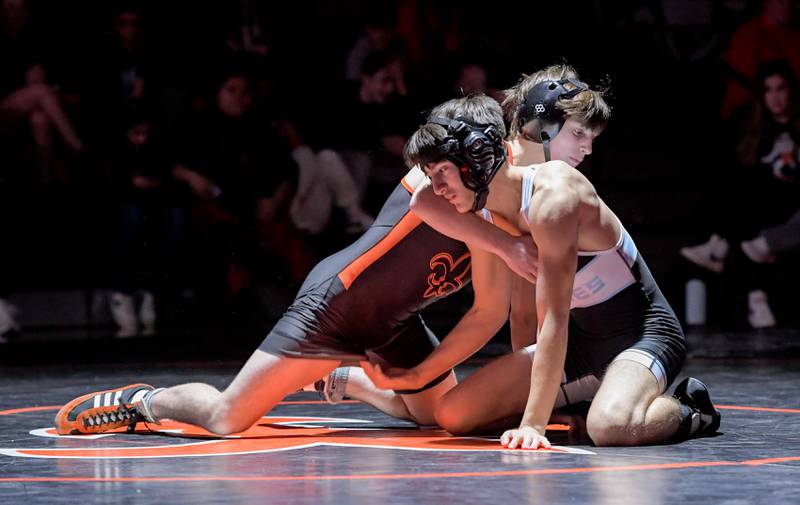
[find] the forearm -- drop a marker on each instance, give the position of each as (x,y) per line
(468,336)
(445,219)
(523,314)
(182,173)
(546,374)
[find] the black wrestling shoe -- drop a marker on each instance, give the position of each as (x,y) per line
(700,418)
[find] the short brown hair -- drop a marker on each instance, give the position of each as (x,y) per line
(588,107)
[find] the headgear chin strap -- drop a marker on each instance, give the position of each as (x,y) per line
(539,118)
(476,149)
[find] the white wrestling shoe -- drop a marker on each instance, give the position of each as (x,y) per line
(710,255)
(757,250)
(331,388)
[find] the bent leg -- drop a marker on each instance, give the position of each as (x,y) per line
(312,202)
(40,96)
(785,237)
(492,395)
(417,407)
(339,179)
(263,381)
(629,408)
(422,406)
(360,387)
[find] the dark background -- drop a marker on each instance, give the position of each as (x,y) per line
(661,156)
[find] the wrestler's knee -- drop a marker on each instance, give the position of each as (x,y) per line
(452,415)
(612,423)
(224,419)
(329,156)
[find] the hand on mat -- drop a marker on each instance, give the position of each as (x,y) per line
(524,437)
(391,377)
(522,256)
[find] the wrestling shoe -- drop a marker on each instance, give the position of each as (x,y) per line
(758,250)
(331,388)
(700,417)
(104,411)
(710,255)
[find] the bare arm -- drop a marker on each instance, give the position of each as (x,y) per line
(491,282)
(517,252)
(267,208)
(554,221)
(202,186)
(523,313)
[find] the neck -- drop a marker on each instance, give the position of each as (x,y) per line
(504,192)
(526,152)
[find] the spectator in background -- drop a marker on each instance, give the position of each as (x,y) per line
(432,30)
(150,224)
(379,37)
(123,71)
(370,128)
(472,79)
(26,96)
(128,65)
(324,182)
(771,243)
(241,182)
(765,193)
(249,35)
(772,35)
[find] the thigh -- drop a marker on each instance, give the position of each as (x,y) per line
(422,405)
(266,379)
(627,389)
(497,391)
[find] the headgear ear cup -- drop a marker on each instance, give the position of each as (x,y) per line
(540,119)
(477,150)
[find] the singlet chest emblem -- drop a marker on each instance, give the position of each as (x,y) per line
(447,276)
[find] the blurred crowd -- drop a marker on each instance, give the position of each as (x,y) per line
(184,154)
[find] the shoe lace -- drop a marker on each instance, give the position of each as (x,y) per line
(124,414)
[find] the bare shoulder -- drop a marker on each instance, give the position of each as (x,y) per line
(557,172)
(557,193)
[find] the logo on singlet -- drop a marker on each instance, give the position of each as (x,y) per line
(447,276)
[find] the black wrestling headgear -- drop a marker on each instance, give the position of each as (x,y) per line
(539,118)
(477,150)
